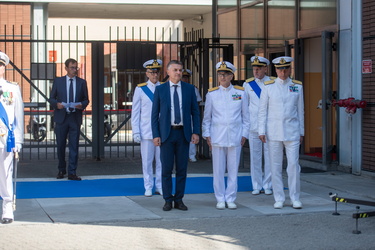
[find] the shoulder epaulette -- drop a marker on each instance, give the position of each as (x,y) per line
(238,87)
(212,89)
(15,83)
(297,82)
(142,84)
(272,77)
(250,79)
(269,82)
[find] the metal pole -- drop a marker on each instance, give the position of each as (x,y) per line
(98,100)
(326,98)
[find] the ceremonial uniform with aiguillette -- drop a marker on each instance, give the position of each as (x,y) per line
(142,132)
(253,87)
(281,120)
(225,124)
(11,136)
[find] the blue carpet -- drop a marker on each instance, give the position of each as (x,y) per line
(111,187)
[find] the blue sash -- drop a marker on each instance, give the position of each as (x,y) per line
(255,87)
(148,92)
(4,117)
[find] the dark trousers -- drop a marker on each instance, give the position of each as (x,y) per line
(174,150)
(70,128)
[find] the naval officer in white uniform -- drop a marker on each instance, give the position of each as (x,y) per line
(253,87)
(281,124)
(186,75)
(11,136)
(141,126)
(226,127)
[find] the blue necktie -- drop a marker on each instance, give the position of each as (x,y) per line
(176,104)
(71,94)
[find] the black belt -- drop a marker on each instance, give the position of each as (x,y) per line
(177,127)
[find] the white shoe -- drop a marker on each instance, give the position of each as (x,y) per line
(220,205)
(297,204)
(192,159)
(278,205)
(159,191)
(148,193)
(231,205)
(267,191)
(256,192)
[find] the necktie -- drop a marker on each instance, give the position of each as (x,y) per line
(176,104)
(71,94)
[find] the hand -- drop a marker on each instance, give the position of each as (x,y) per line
(157,141)
(243,140)
(17,148)
(79,106)
(195,138)
(137,138)
(262,138)
(59,105)
(301,139)
(208,139)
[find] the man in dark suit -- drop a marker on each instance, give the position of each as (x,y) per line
(174,109)
(69,97)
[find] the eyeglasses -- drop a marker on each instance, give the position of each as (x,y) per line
(74,68)
(223,75)
(153,72)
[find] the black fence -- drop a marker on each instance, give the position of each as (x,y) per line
(112,68)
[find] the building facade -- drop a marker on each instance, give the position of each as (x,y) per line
(324,36)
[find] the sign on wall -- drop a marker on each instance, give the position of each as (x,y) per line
(366,66)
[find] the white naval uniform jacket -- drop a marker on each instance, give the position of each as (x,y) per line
(254,100)
(226,116)
(281,110)
(141,111)
(11,99)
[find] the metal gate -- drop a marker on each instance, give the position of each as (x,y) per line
(112,68)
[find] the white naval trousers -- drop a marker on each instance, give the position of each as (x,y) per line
(148,153)
(293,169)
(225,158)
(257,149)
(6,182)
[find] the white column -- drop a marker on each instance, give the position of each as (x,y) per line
(350,83)
(357,85)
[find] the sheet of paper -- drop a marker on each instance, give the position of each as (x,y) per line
(74,104)
(70,105)
(66,105)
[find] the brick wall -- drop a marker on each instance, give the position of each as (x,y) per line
(368,84)
(15,21)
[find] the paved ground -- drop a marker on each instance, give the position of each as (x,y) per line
(137,222)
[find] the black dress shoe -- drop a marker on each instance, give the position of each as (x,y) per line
(74,177)
(6,221)
(180,205)
(167,206)
(60,175)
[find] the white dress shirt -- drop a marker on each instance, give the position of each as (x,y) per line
(179,92)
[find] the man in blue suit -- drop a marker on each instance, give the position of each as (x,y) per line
(69,97)
(174,109)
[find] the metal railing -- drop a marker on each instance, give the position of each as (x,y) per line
(36,61)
